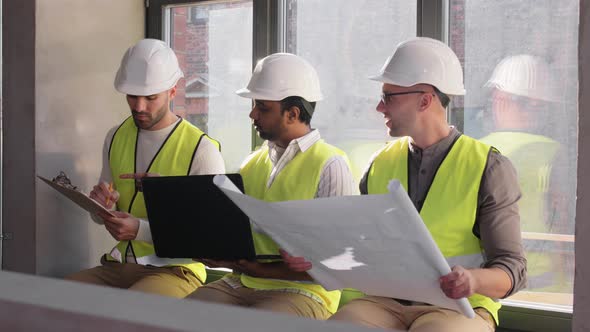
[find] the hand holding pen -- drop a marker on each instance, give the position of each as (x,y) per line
(105,194)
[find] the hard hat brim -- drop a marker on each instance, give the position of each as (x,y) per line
(383,79)
(141,90)
(247,93)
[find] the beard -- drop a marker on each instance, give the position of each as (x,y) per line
(146,120)
(265,135)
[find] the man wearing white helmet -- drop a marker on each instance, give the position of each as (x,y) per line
(153,140)
(465,191)
(523,98)
(293,164)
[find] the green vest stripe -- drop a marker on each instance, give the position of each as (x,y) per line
(297,181)
(174,157)
(450,207)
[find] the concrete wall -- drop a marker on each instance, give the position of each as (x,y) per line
(32,303)
(60,59)
(79,46)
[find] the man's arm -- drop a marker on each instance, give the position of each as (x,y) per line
(498,227)
(336,179)
(99,192)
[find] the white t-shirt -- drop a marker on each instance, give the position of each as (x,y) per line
(207,160)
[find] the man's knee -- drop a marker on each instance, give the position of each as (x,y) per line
(89,276)
(217,292)
(369,312)
(290,303)
(448,321)
(166,281)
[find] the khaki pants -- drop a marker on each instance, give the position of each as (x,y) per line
(387,313)
(173,281)
(271,300)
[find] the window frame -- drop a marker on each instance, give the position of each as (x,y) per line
(432,21)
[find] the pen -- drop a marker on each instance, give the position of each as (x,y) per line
(109,196)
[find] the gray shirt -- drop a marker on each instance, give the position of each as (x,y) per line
(497,223)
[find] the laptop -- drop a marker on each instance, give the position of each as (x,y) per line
(190,217)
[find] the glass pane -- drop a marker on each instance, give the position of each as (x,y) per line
(347,41)
(213,42)
(521,75)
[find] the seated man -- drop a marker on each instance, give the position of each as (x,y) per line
(151,140)
(294,164)
(466,193)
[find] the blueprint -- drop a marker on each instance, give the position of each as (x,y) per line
(377,244)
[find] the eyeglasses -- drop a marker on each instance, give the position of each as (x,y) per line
(385,96)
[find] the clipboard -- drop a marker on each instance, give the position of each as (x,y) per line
(78,197)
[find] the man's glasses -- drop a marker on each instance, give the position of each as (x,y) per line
(385,96)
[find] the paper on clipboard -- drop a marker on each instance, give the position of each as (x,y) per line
(81,199)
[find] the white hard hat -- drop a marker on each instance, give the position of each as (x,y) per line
(283,75)
(149,67)
(423,60)
(524,75)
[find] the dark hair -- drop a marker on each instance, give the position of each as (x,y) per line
(444,99)
(295,101)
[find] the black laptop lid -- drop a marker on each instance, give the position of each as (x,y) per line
(190,217)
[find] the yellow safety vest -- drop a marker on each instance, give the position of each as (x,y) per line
(450,208)
(175,157)
(299,180)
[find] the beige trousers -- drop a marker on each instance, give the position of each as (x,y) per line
(173,281)
(271,300)
(387,313)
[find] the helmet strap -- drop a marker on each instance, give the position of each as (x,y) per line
(307,105)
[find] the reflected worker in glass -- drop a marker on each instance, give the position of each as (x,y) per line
(523,104)
(153,140)
(294,163)
(465,191)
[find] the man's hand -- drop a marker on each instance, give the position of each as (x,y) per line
(459,283)
(123,226)
(104,194)
(297,264)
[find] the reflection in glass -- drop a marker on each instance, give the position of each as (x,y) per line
(520,63)
(213,42)
(346,41)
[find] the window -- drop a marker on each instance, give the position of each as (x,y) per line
(521,76)
(213,42)
(536,42)
(347,42)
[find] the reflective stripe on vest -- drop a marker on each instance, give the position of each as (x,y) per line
(450,206)
(174,157)
(297,181)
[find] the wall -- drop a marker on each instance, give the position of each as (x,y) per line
(60,58)
(18,134)
(75,106)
